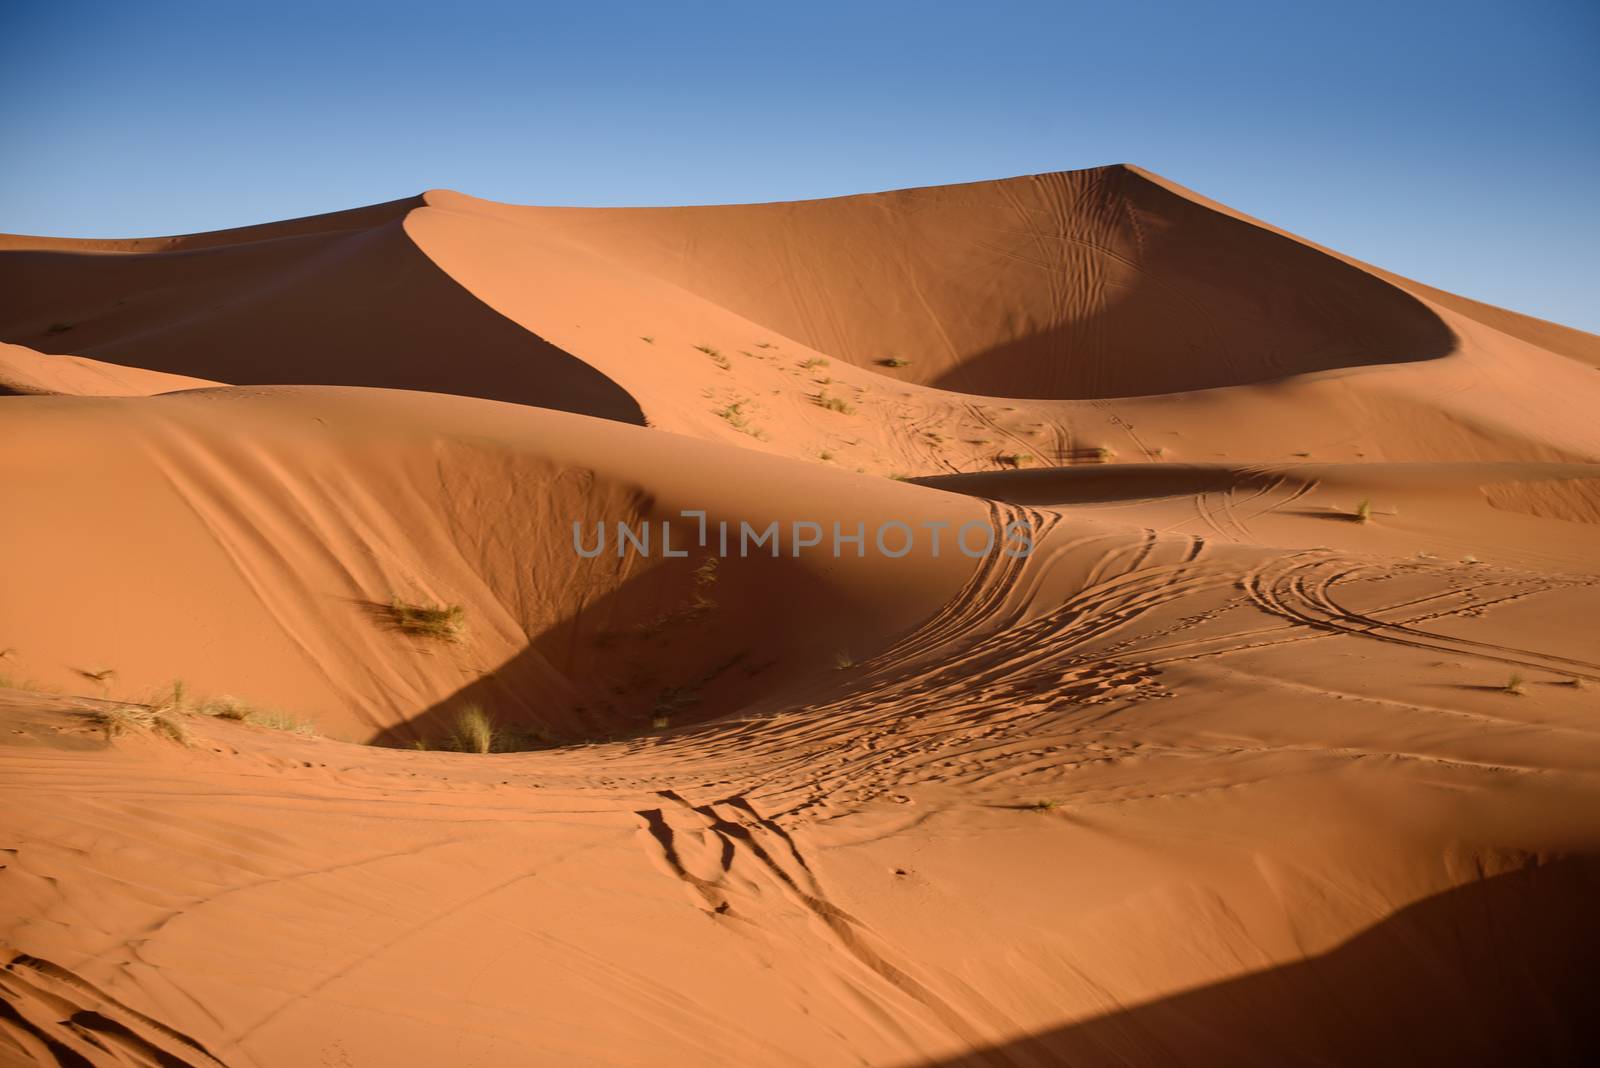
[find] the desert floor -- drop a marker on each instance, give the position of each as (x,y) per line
(1282,745)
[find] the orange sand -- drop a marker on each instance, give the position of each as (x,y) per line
(1222,773)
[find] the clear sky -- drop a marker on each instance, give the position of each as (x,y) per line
(1458,143)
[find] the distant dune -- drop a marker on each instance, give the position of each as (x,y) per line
(1280,746)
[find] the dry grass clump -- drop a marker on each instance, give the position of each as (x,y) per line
(716,356)
(161,718)
(894,361)
(443,622)
(835,404)
(277,720)
(1513,685)
(473,731)
(842,660)
(165,715)
(1364,510)
(127,718)
(231,708)
(735,416)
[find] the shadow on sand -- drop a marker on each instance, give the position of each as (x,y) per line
(1499,971)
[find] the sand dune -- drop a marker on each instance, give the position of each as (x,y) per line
(1098,283)
(24,371)
(289,518)
(353,302)
(1280,746)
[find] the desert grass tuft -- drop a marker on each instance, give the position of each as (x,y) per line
(1514,685)
(894,361)
(442,622)
(231,708)
(160,719)
(835,404)
(735,416)
(705,580)
(716,356)
(842,660)
(1363,511)
(473,730)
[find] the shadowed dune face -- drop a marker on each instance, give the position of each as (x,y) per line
(289,519)
(1408,990)
(1078,285)
(307,307)
(332,222)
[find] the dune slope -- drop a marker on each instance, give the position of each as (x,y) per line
(1082,284)
(285,521)
(290,305)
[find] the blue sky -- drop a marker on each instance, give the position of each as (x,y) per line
(1458,143)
